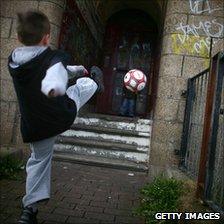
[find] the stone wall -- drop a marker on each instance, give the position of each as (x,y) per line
(10,134)
(188,29)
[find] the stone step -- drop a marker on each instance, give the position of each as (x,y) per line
(109,130)
(101,152)
(102,162)
(141,141)
(115,118)
(141,126)
(106,145)
(104,139)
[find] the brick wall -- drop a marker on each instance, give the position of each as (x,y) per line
(188,30)
(9,130)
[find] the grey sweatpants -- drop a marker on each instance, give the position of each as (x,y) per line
(38,167)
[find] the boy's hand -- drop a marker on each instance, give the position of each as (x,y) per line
(54,93)
(76,71)
(51,93)
(86,73)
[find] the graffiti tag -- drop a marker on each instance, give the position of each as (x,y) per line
(211,29)
(196,6)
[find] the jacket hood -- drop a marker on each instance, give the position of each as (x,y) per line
(22,55)
(25,60)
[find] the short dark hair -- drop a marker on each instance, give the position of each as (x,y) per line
(32,26)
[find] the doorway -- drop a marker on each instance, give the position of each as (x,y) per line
(129,43)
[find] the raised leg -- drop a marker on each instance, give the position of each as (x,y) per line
(82,91)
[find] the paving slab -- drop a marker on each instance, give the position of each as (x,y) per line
(80,194)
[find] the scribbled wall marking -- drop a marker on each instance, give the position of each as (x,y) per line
(190,34)
(196,6)
(200,45)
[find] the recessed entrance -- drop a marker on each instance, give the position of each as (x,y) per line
(129,43)
(117,36)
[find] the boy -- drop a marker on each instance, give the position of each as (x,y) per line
(128,104)
(47,109)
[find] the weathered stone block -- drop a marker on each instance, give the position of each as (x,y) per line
(7,91)
(214,8)
(4,70)
(6,8)
(210,7)
(181,110)
(171,65)
(55,30)
(186,45)
(11,152)
(7,121)
(171,87)
(193,66)
(5,27)
(8,46)
(162,154)
(217,46)
(208,26)
(172,21)
(166,109)
(166,132)
(60,3)
(12,111)
(10,8)
(18,136)
(178,6)
(169,171)
(53,11)
(6,132)
(4,109)
(53,47)
(14,32)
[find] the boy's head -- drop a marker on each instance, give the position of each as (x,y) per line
(33,28)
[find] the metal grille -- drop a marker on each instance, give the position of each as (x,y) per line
(214,193)
(217,191)
(193,122)
(202,146)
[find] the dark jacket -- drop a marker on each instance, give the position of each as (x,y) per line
(41,117)
(129,94)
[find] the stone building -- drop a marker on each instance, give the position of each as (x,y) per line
(177,38)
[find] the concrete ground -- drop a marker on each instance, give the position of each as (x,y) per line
(80,194)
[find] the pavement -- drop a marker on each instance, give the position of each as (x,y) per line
(80,194)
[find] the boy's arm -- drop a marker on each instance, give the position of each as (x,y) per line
(56,79)
(55,82)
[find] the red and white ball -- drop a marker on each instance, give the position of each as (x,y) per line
(135,80)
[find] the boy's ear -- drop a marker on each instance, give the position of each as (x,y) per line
(46,39)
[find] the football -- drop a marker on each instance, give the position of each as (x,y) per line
(135,80)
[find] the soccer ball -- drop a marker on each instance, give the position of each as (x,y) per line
(135,80)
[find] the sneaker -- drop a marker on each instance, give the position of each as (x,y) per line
(97,75)
(28,216)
